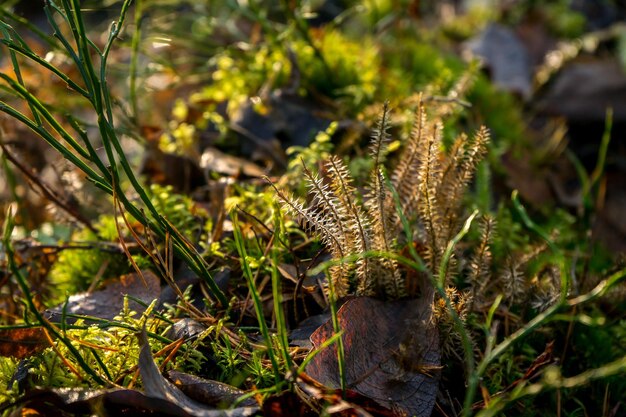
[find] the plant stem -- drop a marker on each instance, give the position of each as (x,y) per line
(134,57)
(28,296)
(256,298)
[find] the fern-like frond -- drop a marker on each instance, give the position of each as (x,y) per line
(378,197)
(317,222)
(356,219)
(429,179)
(330,205)
(447,193)
(458,171)
(380,138)
(513,280)
(405,178)
(378,206)
(429,184)
(480,262)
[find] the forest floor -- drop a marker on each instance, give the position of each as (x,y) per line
(312,208)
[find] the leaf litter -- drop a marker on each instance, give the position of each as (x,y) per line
(157,386)
(391,354)
(392,347)
(108,302)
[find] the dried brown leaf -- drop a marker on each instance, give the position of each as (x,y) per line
(108,302)
(392,353)
(206,391)
(22,343)
(156,386)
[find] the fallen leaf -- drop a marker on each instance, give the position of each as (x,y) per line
(156,386)
(506,58)
(301,335)
(213,160)
(209,392)
(287,404)
(80,401)
(108,302)
(392,353)
(354,404)
(584,89)
(22,343)
(186,329)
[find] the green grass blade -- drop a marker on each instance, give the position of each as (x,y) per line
(9,224)
(256,298)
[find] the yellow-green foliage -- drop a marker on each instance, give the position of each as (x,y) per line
(179,210)
(117,353)
(348,69)
(116,347)
(499,111)
(76,269)
(254,201)
(470,23)
(354,67)
(562,20)
(234,364)
(236,78)
(8,366)
(412,64)
(180,138)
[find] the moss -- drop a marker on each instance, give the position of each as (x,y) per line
(110,351)
(76,268)
(8,387)
(179,210)
(349,72)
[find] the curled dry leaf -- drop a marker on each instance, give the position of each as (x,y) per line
(206,391)
(338,403)
(392,353)
(86,401)
(156,386)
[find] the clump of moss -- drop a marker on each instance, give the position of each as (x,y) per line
(112,352)
(179,210)
(90,257)
(330,64)
(347,69)
(10,390)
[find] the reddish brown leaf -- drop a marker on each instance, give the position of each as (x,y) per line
(391,353)
(287,404)
(21,343)
(354,405)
